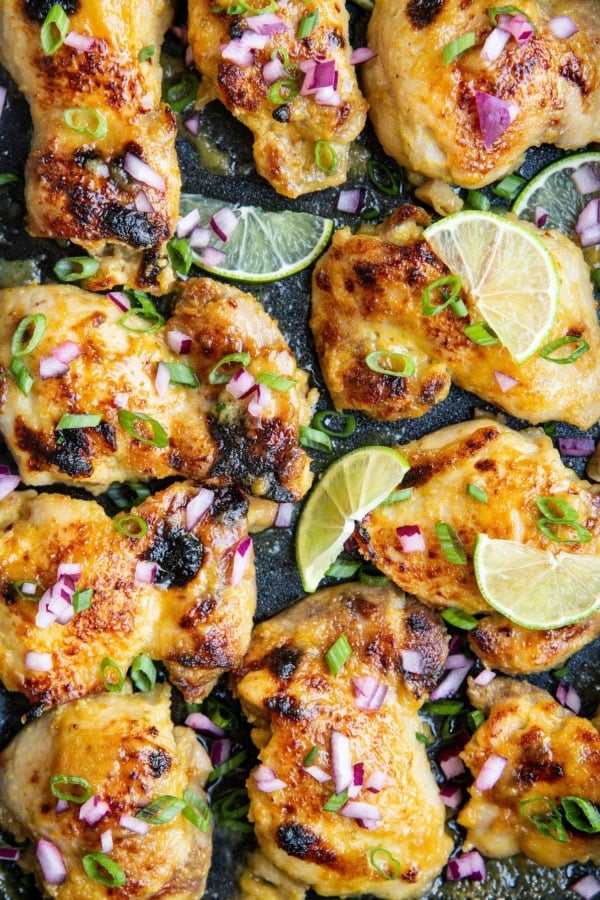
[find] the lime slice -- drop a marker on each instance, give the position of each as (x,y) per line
(535,588)
(508,271)
(265,246)
(350,488)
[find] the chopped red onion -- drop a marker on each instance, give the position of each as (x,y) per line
(188,58)
(142,203)
(267,781)
(505,382)
(589,216)
(449,685)
(3,96)
(469,865)
(590,237)
(241,384)
(568,696)
(254,40)
(51,862)
(197,506)
(494,44)
(327,96)
(317,76)
(7,484)
(266,23)
(587,887)
(358,774)
(223,223)
(161,380)
(93,810)
(341,761)
(273,70)
(199,722)
(575,446)
(369,693)
(187,223)
(213,258)
(193,124)
(38,662)
(563,26)
(361,55)
(200,239)
(484,677)
(120,299)
(142,172)
(4,469)
(518,25)
(106,841)
(355,809)
(540,216)
(259,400)
(317,773)
(241,560)
(220,751)
(450,762)
(145,572)
(51,367)
(351,201)
(285,513)
(369,824)
(451,795)
(138,826)
(179,342)
(69,569)
(61,806)
(412,661)
(353,791)
(586,179)
(495,115)
(458,661)
(44,618)
(67,351)
(376,781)
(490,772)
(237,53)
(83,43)
(411,539)
(9,854)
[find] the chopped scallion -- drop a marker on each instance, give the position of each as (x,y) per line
(581,814)
(146,53)
(397,365)
(28,334)
(307,24)
(338,654)
(234,762)
(121,493)
(75,268)
(230,809)
(54,29)
(372,576)
(220,714)
(347,423)
(181,374)
(583,535)
(326,158)
(71,420)
(144,309)
(495,11)
(7,178)
(560,673)
(196,810)
(21,374)
(216,376)
(343,569)
(545,815)
(143,673)
(313,439)
(476,493)
(451,298)
(183,93)
(580,347)
(162,810)
(550,429)
(399,496)
(82,599)
(383,178)
(310,756)
(335,802)
(385,863)
(18,589)
(180,255)
(451,544)
(509,187)
(481,334)
(112,677)
(458,46)
(443,707)
(60,784)
(101,868)
(475,718)
(459,619)
(86,121)
(276,382)
(548,507)
(129,420)
(478,200)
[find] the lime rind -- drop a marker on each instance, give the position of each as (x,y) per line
(265,246)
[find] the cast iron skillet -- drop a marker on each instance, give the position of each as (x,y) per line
(288,301)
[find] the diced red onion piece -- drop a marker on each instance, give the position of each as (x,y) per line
(106,841)
(44,618)
(266,23)
(495,115)
(38,662)
(93,810)
(193,124)
(120,299)
(490,772)
(469,865)
(563,26)
(359,810)
(179,342)
(4,469)
(353,791)
(369,824)
(484,677)
(80,42)
(188,57)
(237,53)
(200,239)
(494,44)
(7,484)
(376,781)
(9,854)
(321,75)
(575,446)
(505,382)
(589,216)
(351,201)
(51,862)
(450,762)
(61,807)
(220,751)
(67,351)
(259,400)
(411,539)
(223,223)
(568,696)
(585,179)
(138,826)
(121,400)
(29,588)
(213,258)
(412,661)
(267,781)
(51,367)
(161,379)
(240,384)
(142,203)
(317,773)
(285,513)
(187,223)
(341,761)
(518,25)
(142,172)
(458,661)
(199,722)
(587,887)
(451,795)
(369,693)
(272,71)
(145,571)
(196,508)
(540,216)
(241,560)
(358,774)
(72,570)
(449,685)
(327,96)
(254,40)
(361,55)
(590,237)
(3,95)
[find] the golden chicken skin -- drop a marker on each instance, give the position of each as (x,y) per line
(121,762)
(82,595)
(536,767)
(286,74)
(343,799)
(103,171)
(460,90)
(368,319)
(141,397)
(512,469)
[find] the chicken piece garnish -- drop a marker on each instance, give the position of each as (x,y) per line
(367,299)
(286,74)
(148,411)
(512,469)
(103,171)
(548,760)
(123,753)
(159,581)
(470,120)
(344,800)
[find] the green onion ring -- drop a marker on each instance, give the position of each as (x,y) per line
(128,419)
(383,178)
(21,347)
(130,525)
(581,347)
(96,128)
(217,377)
(84,794)
(101,868)
(373,361)
(54,29)
(347,419)
(326,158)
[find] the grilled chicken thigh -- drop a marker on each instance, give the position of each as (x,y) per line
(96,110)
(367,292)
(550,754)
(296,704)
(513,469)
(128,751)
(471,120)
(196,430)
(196,615)
(256,68)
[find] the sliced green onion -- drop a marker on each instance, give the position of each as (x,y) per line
(343,569)
(310,756)
(215,376)
(335,802)
(112,677)
(495,11)
(347,422)
(581,814)
(180,255)
(548,506)
(550,429)
(243,7)
(580,346)
(326,158)
(383,862)
(82,599)
(83,793)
(429,308)
(399,496)
(130,525)
(232,807)
(481,334)
(120,493)
(146,310)
(383,178)
(423,739)
(547,819)
(307,24)
(101,868)
(338,654)
(181,374)
(86,121)
(370,575)
(583,535)
(596,277)
(509,187)
(21,374)
(560,673)
(54,29)
(146,53)
(477,200)
(284,91)
(7,178)
(71,420)
(450,543)
(475,718)
(313,439)
(476,493)
(75,268)
(143,673)
(370,214)
(220,713)
(234,762)
(443,707)
(282,54)
(39,589)
(196,810)
(277,382)
(182,94)
(398,365)
(128,420)
(35,326)
(459,619)
(162,810)
(458,46)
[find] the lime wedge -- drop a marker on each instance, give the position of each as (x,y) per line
(536,588)
(508,272)
(350,488)
(265,246)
